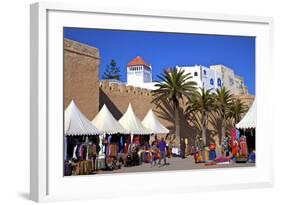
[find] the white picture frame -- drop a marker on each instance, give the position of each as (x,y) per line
(46,179)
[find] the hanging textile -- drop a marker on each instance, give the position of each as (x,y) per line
(243,146)
(113,148)
(101,144)
(121,142)
(237,134)
(235,148)
(109,139)
(83,167)
(80,151)
(137,140)
(89,152)
(126,148)
(94,150)
(74,156)
(65,148)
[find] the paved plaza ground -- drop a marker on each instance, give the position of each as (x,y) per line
(175,163)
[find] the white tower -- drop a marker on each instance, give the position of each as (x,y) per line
(138,72)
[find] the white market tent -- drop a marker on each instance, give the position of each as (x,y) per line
(132,124)
(152,123)
(106,123)
(250,119)
(75,123)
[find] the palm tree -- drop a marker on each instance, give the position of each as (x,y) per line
(237,108)
(202,103)
(174,84)
(223,99)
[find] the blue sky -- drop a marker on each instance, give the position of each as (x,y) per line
(163,50)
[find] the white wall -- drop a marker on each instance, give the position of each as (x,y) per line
(138,77)
(206,78)
(192,70)
(14,103)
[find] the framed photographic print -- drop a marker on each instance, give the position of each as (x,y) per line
(122,96)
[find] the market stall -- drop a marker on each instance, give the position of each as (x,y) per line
(113,139)
(81,143)
(133,125)
(139,134)
(247,129)
(152,123)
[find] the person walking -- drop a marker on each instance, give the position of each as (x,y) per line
(163,154)
(153,153)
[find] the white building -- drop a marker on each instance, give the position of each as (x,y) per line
(215,77)
(139,74)
(204,77)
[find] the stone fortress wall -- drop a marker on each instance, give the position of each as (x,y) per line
(118,96)
(81,76)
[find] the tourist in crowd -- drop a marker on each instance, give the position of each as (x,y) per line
(156,141)
(163,153)
(153,153)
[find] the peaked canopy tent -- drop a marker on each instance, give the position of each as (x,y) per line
(152,123)
(106,123)
(76,124)
(132,123)
(250,119)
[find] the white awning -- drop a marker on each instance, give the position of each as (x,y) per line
(152,123)
(106,123)
(132,124)
(250,119)
(75,123)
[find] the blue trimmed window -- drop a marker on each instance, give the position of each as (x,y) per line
(219,82)
(212,81)
(205,73)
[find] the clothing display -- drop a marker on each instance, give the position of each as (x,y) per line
(232,135)
(100,163)
(252,157)
(65,148)
(83,157)
(226,145)
(205,155)
(67,169)
(74,156)
(82,152)
(109,139)
(235,148)
(237,134)
(83,167)
(121,142)
(212,155)
(243,146)
(137,140)
(126,148)
(112,150)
